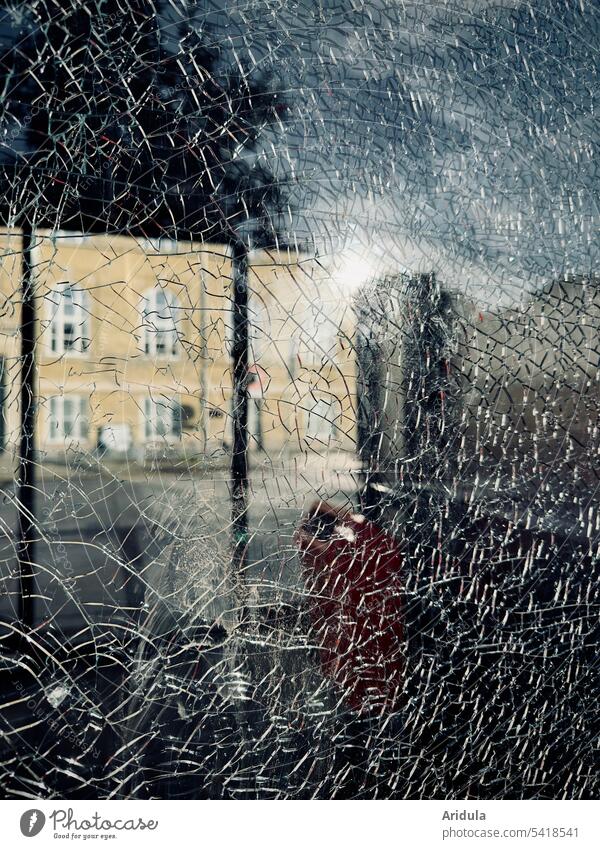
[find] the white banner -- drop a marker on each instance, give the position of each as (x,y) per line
(291,825)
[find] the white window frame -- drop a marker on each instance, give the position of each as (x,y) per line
(160,332)
(72,409)
(77,340)
(260,330)
(153,429)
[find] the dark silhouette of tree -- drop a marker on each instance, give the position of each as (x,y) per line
(121,118)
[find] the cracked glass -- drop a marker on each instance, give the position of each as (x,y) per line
(299,393)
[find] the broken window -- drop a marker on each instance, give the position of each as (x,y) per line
(159,317)
(299,399)
(162,418)
(68,418)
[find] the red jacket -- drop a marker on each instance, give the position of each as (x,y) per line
(354,584)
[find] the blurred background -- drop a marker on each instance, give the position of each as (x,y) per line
(299,373)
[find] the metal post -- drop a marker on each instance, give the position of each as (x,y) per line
(239,408)
(26,483)
(426,367)
(203,362)
(368,384)
(258,403)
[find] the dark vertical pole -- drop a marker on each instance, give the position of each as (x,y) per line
(203,362)
(26,529)
(239,408)
(2,405)
(368,384)
(259,432)
(427,370)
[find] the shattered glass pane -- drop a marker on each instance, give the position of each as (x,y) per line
(299,395)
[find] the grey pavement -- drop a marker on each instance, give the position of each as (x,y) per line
(104,533)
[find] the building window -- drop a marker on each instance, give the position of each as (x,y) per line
(69,320)
(162,419)
(160,311)
(68,418)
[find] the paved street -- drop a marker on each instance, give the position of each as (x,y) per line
(102,537)
(106,547)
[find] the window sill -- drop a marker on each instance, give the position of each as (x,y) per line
(70,355)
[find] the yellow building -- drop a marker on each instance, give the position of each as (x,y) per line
(133,349)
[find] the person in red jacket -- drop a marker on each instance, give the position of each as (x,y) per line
(353,574)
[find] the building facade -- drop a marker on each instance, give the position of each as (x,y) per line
(133,349)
